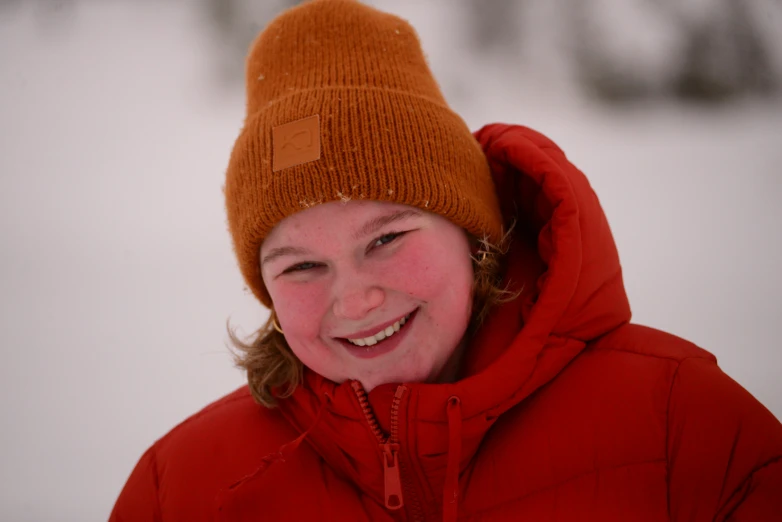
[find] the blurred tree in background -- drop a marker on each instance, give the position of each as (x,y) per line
(725,54)
(616,51)
(711,50)
(495,29)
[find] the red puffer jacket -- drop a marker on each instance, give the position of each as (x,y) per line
(566,412)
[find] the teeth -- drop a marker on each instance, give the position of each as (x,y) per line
(382,334)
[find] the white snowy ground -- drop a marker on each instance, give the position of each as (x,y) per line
(116,271)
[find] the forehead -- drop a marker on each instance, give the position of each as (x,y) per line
(334,216)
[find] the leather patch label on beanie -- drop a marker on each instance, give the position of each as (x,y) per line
(295,143)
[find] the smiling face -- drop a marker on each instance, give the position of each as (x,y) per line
(371,291)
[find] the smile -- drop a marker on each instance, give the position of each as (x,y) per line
(382,334)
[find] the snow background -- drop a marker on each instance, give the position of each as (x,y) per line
(116,270)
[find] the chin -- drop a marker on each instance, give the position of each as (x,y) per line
(370,382)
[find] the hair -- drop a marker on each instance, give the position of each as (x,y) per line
(274,372)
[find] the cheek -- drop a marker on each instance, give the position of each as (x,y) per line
(300,307)
(429,270)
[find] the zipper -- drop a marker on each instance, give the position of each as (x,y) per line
(389,448)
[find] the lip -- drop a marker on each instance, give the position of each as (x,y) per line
(383,347)
(375,329)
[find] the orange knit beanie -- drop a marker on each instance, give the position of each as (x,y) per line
(341,105)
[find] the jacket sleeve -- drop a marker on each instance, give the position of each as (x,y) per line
(138,500)
(724,449)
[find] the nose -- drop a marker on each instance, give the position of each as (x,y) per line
(354,298)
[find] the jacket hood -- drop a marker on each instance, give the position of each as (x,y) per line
(562,259)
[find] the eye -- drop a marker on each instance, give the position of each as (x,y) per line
(386,239)
(301,267)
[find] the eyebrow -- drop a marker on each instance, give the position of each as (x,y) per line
(375,224)
(283,251)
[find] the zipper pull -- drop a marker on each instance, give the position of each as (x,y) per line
(393,482)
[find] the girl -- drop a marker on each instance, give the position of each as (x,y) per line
(449,334)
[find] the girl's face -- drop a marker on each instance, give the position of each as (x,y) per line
(371,291)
